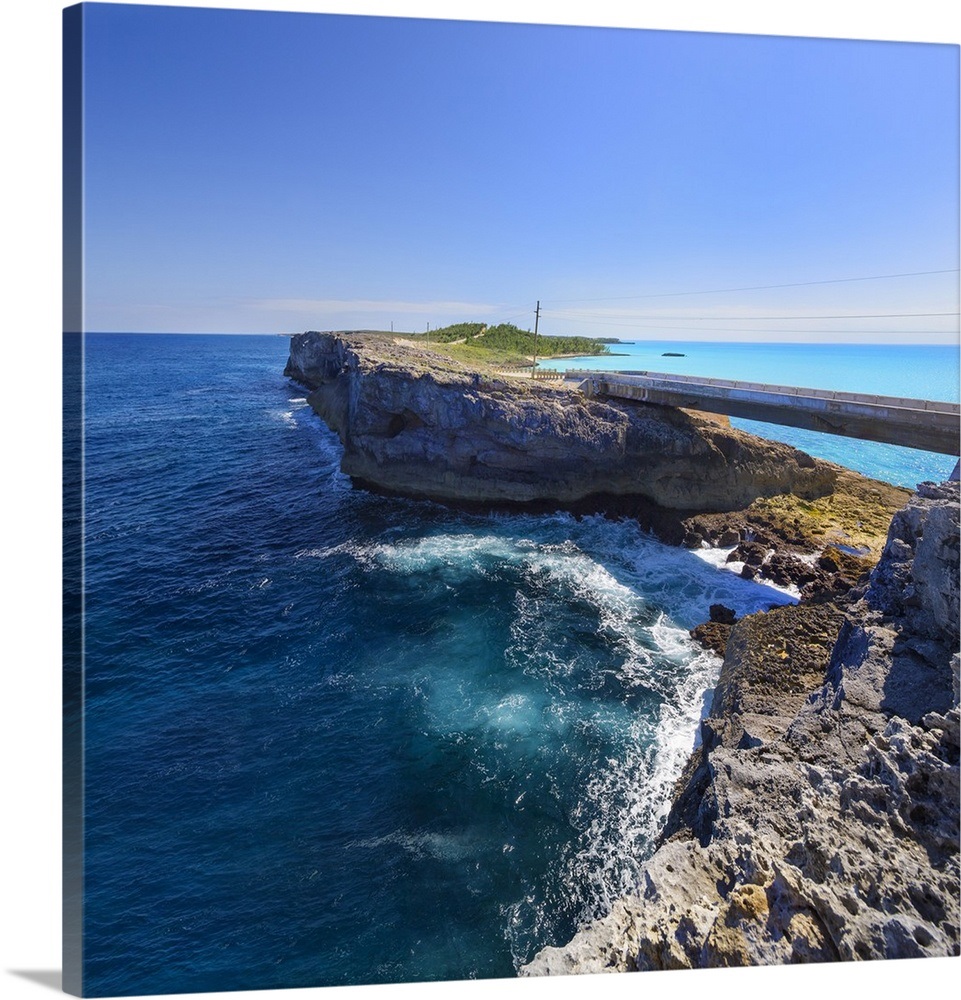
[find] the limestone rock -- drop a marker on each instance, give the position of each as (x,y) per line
(712,635)
(414,423)
(818,820)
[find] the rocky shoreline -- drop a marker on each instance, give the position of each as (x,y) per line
(818,818)
(416,423)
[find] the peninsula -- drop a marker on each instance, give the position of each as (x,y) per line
(419,423)
(818,817)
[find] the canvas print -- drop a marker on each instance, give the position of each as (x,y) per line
(511,500)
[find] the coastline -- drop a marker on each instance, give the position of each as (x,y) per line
(418,423)
(824,539)
(818,818)
(567,357)
(373,377)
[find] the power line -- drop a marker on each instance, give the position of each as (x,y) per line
(797,319)
(727,329)
(756,288)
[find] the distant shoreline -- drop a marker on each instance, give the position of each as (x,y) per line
(606,354)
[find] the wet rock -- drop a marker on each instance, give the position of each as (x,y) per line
(750,553)
(828,563)
(722,614)
(818,820)
(712,635)
(786,570)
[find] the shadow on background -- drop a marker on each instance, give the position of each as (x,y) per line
(45,977)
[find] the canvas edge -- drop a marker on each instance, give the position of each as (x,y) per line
(72,499)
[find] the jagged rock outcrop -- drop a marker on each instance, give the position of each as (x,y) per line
(414,423)
(818,820)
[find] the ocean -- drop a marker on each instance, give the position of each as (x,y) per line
(335,738)
(915,371)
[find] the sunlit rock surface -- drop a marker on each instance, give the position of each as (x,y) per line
(819,818)
(414,423)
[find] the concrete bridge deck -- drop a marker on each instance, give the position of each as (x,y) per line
(929,425)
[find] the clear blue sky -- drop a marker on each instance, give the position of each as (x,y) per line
(268,172)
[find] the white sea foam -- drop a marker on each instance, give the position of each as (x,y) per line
(598,606)
(286,416)
(677,731)
(345,548)
(628,797)
(627,581)
(718,558)
(611,565)
(515,713)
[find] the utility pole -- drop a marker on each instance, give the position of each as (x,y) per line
(537,316)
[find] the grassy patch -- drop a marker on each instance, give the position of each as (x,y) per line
(476,353)
(504,344)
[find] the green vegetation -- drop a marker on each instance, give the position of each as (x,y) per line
(506,344)
(509,337)
(457,331)
(474,354)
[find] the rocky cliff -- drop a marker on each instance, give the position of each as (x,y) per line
(414,423)
(818,820)
(818,817)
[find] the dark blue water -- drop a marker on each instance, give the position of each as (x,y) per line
(334,738)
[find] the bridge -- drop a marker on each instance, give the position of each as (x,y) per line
(929,425)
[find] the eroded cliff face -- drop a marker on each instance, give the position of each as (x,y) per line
(419,425)
(819,818)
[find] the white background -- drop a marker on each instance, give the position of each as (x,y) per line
(30,428)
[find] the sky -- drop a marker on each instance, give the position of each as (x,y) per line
(251,171)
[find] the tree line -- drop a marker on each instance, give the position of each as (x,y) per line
(506,336)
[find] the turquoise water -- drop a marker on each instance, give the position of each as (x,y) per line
(918,372)
(336,738)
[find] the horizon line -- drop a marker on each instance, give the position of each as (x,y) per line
(954,342)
